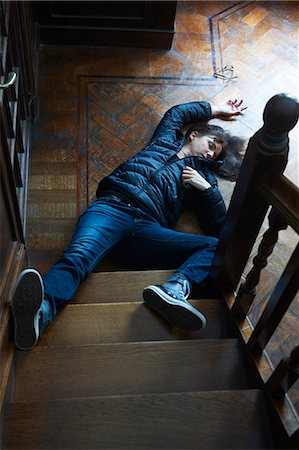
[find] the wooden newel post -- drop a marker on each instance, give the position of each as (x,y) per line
(266,155)
(285,375)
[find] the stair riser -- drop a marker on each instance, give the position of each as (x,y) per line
(128,322)
(105,287)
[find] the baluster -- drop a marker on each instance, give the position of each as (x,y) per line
(285,375)
(277,305)
(247,290)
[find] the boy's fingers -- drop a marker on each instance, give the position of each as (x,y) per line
(235,103)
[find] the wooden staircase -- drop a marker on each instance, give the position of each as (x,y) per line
(111,374)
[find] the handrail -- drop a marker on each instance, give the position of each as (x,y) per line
(280,191)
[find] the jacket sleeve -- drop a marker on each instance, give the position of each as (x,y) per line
(179,116)
(211,210)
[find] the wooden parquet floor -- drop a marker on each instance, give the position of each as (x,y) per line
(98,106)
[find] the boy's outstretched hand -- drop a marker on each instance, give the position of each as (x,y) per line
(229,109)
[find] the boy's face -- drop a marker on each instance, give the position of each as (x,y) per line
(204,146)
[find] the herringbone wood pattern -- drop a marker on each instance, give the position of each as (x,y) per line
(120,94)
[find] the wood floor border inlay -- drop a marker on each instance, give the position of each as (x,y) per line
(215,32)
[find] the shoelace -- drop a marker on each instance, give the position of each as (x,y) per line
(183,292)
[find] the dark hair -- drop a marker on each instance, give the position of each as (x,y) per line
(232,149)
(204,129)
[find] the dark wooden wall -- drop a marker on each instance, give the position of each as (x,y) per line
(18,107)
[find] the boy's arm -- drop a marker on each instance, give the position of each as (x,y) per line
(208,200)
(187,113)
(211,210)
(181,115)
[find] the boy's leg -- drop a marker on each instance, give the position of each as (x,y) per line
(157,247)
(36,301)
(153,246)
(98,230)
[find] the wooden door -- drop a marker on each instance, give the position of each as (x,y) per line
(148,24)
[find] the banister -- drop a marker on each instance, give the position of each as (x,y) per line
(260,185)
(266,155)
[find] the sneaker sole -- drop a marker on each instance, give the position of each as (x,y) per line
(26,301)
(183,316)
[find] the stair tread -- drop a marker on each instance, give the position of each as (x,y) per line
(128,322)
(130,368)
(198,420)
(111,286)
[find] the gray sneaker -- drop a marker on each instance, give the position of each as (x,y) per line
(170,300)
(26,303)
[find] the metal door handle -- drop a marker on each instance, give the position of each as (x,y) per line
(12,76)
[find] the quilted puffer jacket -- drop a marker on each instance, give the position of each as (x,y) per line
(152,179)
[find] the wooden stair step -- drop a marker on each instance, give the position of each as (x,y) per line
(128,322)
(105,287)
(198,420)
(130,368)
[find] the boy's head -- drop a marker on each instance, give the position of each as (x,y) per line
(226,148)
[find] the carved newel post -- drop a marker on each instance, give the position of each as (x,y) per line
(266,156)
(280,116)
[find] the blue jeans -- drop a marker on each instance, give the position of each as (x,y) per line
(136,239)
